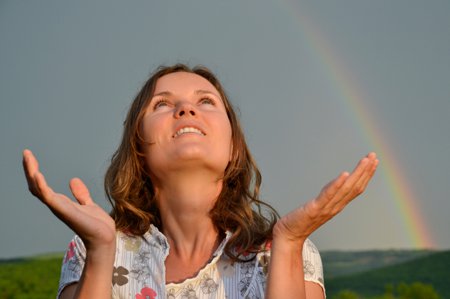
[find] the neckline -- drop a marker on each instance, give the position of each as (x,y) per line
(200,273)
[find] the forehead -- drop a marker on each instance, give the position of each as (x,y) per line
(182,82)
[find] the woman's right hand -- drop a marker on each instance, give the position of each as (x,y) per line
(88,220)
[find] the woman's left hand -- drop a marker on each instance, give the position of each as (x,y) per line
(296,226)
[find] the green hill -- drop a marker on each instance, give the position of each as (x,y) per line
(339,263)
(432,269)
(35,277)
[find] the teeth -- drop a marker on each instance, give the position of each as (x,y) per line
(188,130)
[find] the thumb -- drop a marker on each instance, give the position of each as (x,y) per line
(80,191)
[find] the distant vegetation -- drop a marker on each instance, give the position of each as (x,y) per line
(30,278)
(416,290)
(430,270)
(348,275)
(339,263)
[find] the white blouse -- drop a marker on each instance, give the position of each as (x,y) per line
(139,270)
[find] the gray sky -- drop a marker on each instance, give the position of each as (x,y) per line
(69,70)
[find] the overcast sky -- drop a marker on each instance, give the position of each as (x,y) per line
(68,71)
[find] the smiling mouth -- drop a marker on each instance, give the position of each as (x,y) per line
(188,130)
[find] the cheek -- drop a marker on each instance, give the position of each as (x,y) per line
(150,128)
(229,140)
(149,133)
(145,129)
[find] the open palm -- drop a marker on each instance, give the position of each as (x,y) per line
(94,226)
(333,198)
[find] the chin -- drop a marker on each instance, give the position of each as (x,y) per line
(205,160)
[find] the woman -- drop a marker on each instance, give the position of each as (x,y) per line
(186,219)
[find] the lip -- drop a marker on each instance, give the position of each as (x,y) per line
(187,125)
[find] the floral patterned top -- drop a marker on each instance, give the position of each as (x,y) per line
(139,270)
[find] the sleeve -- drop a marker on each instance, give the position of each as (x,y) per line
(72,264)
(312,264)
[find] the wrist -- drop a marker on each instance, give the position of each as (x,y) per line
(282,235)
(101,254)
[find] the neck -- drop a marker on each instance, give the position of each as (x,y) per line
(185,201)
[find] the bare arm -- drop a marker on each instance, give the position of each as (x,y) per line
(94,226)
(286,277)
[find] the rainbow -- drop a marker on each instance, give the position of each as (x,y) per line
(405,201)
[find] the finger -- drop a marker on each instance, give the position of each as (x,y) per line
(30,168)
(330,190)
(360,186)
(372,156)
(30,163)
(45,193)
(362,183)
(369,175)
(80,191)
(60,205)
(354,177)
(326,200)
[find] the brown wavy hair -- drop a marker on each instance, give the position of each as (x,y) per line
(238,208)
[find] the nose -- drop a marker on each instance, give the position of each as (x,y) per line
(185,109)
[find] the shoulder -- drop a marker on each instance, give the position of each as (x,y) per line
(312,262)
(311,254)
(252,274)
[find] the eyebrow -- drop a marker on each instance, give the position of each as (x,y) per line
(162,93)
(201,91)
(197,92)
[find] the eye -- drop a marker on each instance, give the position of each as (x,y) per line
(160,103)
(207,101)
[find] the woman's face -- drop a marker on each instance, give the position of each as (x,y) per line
(186,124)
